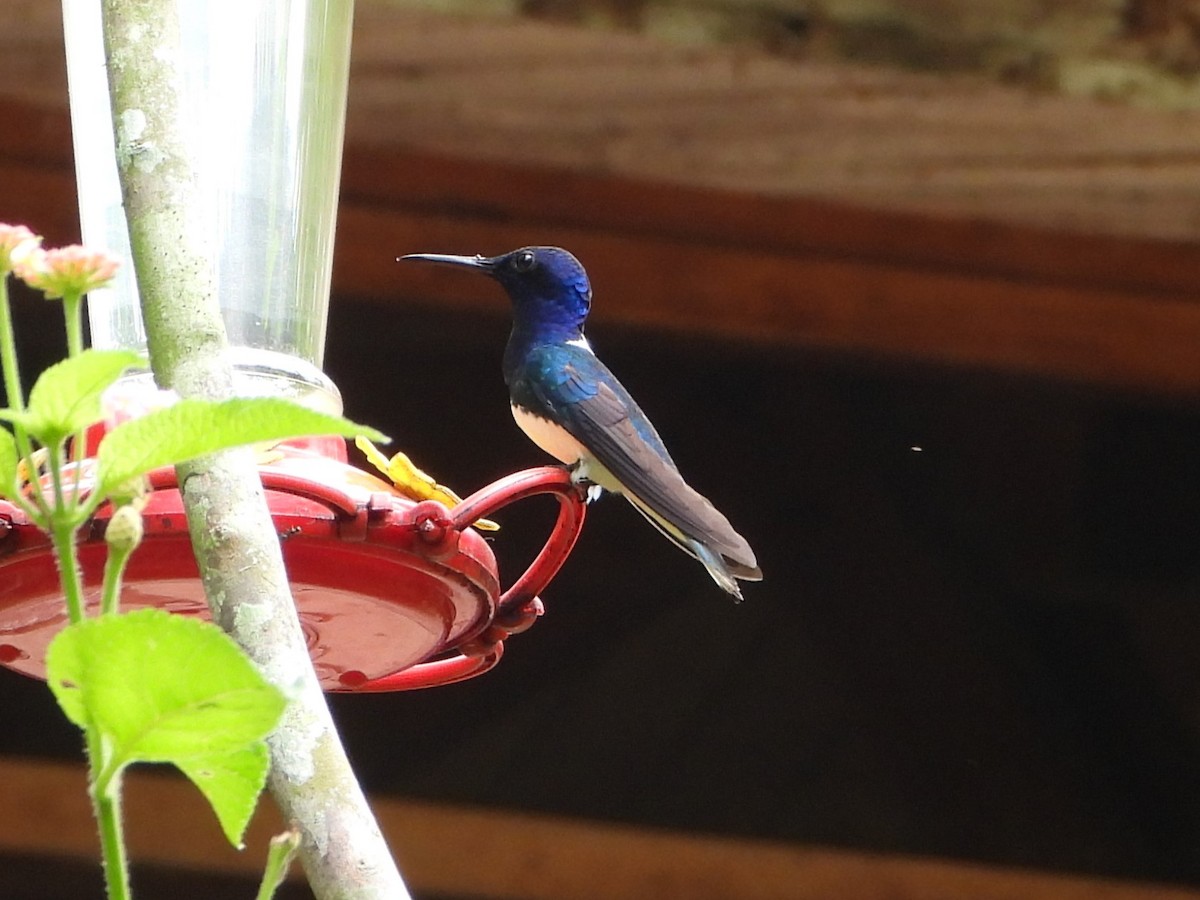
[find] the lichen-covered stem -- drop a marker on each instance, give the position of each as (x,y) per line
(236,547)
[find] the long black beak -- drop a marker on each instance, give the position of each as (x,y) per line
(448,259)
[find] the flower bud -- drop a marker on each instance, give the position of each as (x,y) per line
(16,243)
(125,529)
(135,492)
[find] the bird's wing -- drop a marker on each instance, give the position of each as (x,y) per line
(597,411)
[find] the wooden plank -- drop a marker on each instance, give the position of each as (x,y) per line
(1141,341)
(545,95)
(39,137)
(714,264)
(456,186)
(43,199)
(730,118)
(522,856)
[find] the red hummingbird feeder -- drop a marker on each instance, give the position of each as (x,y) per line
(392,593)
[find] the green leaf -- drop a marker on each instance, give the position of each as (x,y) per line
(161,687)
(193,427)
(231,782)
(8,463)
(66,397)
(158,687)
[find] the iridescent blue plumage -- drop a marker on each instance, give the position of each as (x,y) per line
(561,381)
(573,407)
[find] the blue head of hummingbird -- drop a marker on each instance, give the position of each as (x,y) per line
(572,406)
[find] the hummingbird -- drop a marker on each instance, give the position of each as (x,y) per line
(573,407)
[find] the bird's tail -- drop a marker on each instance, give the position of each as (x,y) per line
(717,567)
(725,572)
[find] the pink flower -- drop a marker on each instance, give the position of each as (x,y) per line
(130,398)
(16,243)
(73,270)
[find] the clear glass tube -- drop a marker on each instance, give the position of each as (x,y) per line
(263,89)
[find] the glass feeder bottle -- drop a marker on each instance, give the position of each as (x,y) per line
(262,87)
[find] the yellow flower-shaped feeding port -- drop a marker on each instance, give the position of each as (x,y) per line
(412,482)
(26,477)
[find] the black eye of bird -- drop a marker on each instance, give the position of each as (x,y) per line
(524,261)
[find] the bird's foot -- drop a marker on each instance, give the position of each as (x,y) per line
(579,477)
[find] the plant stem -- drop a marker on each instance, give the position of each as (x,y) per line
(238,552)
(54,466)
(62,522)
(114,573)
(106,803)
(283,849)
(15,395)
(8,351)
(73,320)
(62,533)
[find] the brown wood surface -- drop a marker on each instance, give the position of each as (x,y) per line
(735,118)
(725,194)
(530,93)
(1131,339)
(1092,309)
(520,856)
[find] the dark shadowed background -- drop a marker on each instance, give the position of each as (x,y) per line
(981,648)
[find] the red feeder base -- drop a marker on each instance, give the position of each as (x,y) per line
(392,594)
